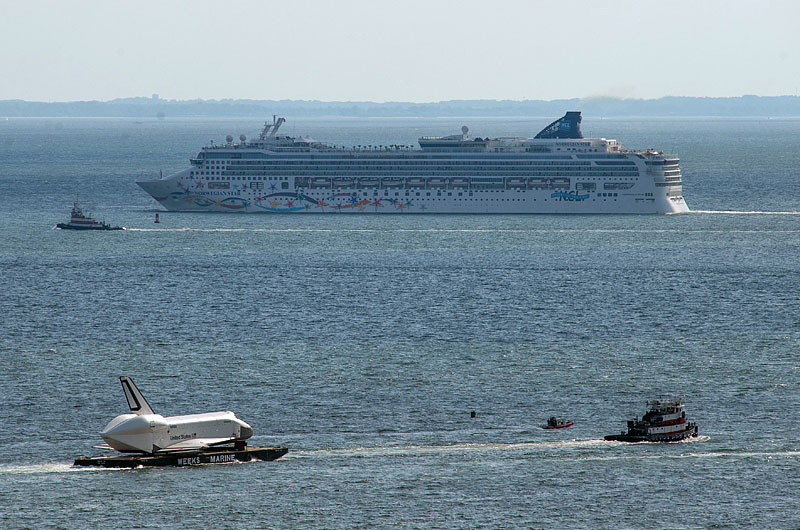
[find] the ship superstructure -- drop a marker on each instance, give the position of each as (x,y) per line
(557,171)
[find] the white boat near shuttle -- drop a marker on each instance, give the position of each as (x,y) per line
(557,171)
(144,431)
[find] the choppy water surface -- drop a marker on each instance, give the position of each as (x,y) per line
(364,342)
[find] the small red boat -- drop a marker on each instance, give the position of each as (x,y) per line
(557,423)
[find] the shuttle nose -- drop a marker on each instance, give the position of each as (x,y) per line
(245,431)
(130,432)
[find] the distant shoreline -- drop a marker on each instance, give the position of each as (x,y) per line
(154,107)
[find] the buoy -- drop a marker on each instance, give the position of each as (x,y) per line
(472,414)
(156,217)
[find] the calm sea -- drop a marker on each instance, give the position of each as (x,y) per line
(364,342)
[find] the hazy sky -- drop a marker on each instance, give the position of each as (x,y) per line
(397,51)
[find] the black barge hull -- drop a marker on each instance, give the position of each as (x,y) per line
(185,458)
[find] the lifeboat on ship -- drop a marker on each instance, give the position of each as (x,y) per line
(343,182)
(369,182)
(320,182)
(537,183)
(392,182)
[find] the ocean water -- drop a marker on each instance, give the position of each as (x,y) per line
(364,342)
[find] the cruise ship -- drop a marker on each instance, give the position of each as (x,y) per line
(556,172)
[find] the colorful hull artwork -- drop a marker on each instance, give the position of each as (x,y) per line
(290,202)
(569,196)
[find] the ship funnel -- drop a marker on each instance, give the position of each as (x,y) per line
(568,126)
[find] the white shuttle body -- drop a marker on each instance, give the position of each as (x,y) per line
(144,431)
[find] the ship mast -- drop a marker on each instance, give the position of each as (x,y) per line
(276,123)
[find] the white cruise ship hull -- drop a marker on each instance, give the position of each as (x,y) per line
(178,195)
(557,172)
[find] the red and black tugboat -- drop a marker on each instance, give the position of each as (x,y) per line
(554,422)
(665,421)
(79,221)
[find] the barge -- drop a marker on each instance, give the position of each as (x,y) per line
(212,455)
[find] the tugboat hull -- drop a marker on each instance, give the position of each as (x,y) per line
(79,221)
(185,458)
(671,437)
(67,226)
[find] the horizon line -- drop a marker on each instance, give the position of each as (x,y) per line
(157,98)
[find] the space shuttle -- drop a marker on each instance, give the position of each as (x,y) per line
(144,431)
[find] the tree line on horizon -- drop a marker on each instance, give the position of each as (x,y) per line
(153,107)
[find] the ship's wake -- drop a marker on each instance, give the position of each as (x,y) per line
(585,450)
(588,450)
(44,468)
(331,230)
(742,212)
(456,448)
(189,229)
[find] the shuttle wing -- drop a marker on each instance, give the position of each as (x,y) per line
(195,444)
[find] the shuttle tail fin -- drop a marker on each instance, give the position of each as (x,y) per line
(136,400)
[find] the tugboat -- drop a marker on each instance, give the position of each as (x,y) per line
(79,221)
(557,423)
(664,421)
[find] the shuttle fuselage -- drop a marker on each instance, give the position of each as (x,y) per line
(147,432)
